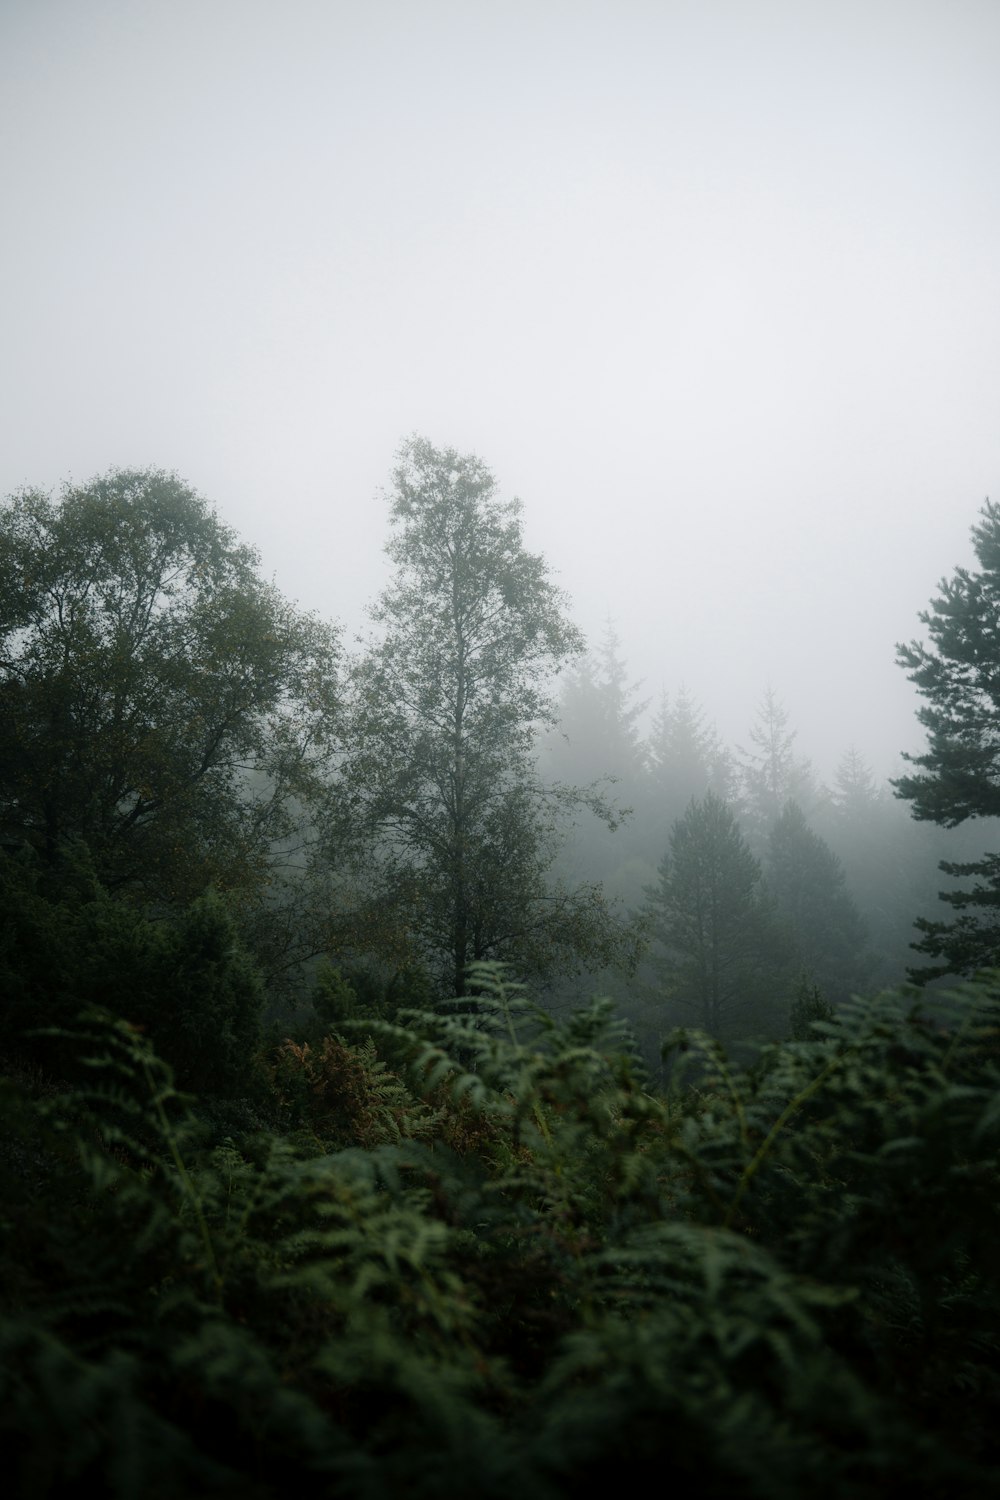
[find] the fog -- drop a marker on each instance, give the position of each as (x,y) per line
(712,287)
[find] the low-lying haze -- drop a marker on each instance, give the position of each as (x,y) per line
(713,287)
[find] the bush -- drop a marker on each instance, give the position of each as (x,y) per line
(66,944)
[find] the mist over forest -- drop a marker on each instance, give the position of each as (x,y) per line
(375,1080)
(499,749)
(712,289)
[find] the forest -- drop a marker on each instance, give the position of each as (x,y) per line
(430,1067)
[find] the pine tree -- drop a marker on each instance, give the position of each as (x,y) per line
(596,744)
(721,956)
(771,773)
(809,886)
(855,793)
(685,759)
(596,737)
(958,676)
(680,747)
(619,711)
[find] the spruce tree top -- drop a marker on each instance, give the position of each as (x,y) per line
(958,675)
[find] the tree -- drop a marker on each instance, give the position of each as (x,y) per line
(771,773)
(597,734)
(685,759)
(958,676)
(889,861)
(158,699)
(809,886)
(721,953)
(457,831)
(183,980)
(855,797)
(596,744)
(809,1005)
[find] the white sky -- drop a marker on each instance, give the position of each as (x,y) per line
(714,287)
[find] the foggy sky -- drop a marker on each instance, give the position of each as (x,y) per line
(713,287)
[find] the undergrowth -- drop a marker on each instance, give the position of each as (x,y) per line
(505,1261)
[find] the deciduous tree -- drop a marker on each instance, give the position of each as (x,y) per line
(158,699)
(458,831)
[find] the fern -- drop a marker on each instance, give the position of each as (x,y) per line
(513,1265)
(348,1094)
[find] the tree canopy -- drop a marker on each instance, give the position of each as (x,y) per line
(161,701)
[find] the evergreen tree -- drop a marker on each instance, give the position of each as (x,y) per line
(684,759)
(890,861)
(622,709)
(855,795)
(596,744)
(594,739)
(771,773)
(808,884)
(721,956)
(885,858)
(809,1005)
(958,676)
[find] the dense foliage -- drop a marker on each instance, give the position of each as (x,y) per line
(299,1196)
(512,1264)
(146,671)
